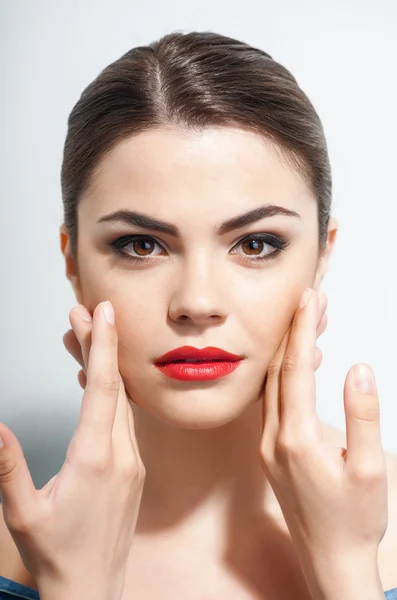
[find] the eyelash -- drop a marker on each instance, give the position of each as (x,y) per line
(272,240)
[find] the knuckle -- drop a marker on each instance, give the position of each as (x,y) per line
(24,522)
(368,414)
(111,384)
(266,446)
(368,475)
(289,364)
(97,464)
(8,468)
(265,458)
(108,385)
(273,371)
(142,471)
(18,524)
(129,469)
(288,451)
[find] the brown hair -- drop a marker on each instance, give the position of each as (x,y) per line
(192,81)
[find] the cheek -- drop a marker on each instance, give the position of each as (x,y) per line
(140,327)
(267,323)
(131,302)
(97,285)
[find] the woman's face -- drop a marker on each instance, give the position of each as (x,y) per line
(201,287)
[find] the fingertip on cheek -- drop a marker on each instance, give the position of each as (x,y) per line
(82,313)
(305,297)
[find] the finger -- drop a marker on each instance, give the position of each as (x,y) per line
(82,378)
(297,382)
(323,303)
(322,325)
(16,484)
(72,345)
(124,442)
(99,403)
(132,425)
(81,322)
(318,359)
(122,419)
(363,431)
(131,421)
(271,404)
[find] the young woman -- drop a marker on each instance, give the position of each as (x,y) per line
(197,217)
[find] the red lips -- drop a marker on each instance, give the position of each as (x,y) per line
(186,353)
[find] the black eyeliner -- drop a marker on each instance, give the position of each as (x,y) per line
(275,241)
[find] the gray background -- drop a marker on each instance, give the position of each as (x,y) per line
(343,54)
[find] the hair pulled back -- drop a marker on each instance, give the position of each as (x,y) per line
(192,81)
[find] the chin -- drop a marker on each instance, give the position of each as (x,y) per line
(195,408)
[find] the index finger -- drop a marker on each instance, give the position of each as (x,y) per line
(298,415)
(103,383)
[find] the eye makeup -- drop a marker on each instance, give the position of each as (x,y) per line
(278,244)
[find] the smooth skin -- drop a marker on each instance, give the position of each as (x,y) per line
(102,462)
(104,451)
(302,481)
(209,517)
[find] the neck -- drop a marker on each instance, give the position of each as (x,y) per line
(200,480)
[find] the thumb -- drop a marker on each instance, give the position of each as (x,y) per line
(16,485)
(363,432)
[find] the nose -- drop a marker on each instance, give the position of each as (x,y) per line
(197,296)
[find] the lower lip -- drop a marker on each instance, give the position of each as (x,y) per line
(203,371)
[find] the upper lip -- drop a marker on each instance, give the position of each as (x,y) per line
(203,354)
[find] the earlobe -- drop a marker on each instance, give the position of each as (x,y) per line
(332,231)
(63,237)
(326,254)
(71,267)
(65,248)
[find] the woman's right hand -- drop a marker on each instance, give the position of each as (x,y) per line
(76,532)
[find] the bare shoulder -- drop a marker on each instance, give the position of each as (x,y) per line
(387,556)
(11,565)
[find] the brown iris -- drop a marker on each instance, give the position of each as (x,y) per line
(145,244)
(255,243)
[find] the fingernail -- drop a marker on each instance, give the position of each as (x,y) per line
(1,442)
(108,312)
(363,379)
(83,313)
(305,297)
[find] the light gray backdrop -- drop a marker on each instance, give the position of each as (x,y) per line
(344,55)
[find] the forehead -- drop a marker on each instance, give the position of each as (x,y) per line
(161,169)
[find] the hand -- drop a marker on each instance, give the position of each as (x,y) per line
(334,500)
(79,526)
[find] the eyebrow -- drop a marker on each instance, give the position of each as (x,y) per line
(148,222)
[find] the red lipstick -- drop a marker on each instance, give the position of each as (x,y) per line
(193,364)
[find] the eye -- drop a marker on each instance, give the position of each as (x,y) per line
(255,245)
(142,245)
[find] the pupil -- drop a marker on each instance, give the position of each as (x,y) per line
(143,243)
(255,244)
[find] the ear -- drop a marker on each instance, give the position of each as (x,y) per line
(324,259)
(71,266)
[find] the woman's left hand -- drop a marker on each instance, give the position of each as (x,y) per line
(334,500)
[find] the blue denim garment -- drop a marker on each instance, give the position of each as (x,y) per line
(10,590)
